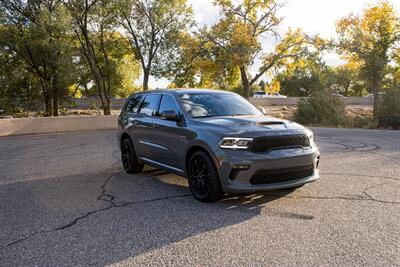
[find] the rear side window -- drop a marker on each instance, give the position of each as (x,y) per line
(168,103)
(149,105)
(133,104)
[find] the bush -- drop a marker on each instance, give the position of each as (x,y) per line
(322,108)
(390,103)
(362,121)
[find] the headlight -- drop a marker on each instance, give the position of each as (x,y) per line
(310,135)
(235,143)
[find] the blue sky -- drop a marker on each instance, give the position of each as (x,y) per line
(313,16)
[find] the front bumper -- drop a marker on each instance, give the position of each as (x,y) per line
(237,168)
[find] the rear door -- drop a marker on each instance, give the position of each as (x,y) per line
(143,133)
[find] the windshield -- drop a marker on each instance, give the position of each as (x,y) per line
(200,105)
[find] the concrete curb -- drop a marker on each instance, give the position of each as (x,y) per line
(56,124)
(92,123)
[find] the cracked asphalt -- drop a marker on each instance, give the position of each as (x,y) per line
(65,201)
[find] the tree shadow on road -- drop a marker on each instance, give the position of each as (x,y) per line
(74,224)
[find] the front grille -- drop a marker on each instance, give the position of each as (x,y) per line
(264,144)
(282,175)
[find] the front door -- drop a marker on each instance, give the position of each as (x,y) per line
(171,136)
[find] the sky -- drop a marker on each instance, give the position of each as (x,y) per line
(313,16)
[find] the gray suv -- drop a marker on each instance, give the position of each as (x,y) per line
(216,139)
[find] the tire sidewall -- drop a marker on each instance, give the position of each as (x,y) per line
(135,165)
(215,191)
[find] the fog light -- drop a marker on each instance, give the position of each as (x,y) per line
(241,167)
(236,169)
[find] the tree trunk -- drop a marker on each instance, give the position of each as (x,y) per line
(95,70)
(105,101)
(107,109)
(376,102)
(47,99)
(245,82)
(146,76)
(55,96)
(47,102)
(347,88)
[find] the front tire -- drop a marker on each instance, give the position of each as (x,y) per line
(128,156)
(203,178)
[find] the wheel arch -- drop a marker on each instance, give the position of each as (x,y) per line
(199,147)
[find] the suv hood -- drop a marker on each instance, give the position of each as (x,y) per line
(251,125)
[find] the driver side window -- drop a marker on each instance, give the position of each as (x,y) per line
(149,105)
(168,103)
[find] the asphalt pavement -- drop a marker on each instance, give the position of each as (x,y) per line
(65,201)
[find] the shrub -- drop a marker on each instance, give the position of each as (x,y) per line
(362,121)
(322,108)
(390,103)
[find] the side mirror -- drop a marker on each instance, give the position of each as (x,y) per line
(171,115)
(262,110)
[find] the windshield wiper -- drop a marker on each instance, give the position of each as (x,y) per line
(240,115)
(221,115)
(207,116)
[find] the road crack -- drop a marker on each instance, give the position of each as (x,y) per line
(109,198)
(104,196)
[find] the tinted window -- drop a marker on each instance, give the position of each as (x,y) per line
(133,103)
(168,103)
(149,105)
(200,105)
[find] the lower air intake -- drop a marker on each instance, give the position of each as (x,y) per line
(282,175)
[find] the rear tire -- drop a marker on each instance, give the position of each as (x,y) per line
(129,160)
(203,178)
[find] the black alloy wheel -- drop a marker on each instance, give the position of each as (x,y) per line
(203,178)
(129,160)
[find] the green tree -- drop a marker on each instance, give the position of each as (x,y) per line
(35,32)
(94,27)
(262,85)
(305,75)
(199,65)
(347,80)
(154,27)
(369,40)
(19,89)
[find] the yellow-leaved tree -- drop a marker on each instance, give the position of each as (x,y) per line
(274,87)
(235,40)
(369,39)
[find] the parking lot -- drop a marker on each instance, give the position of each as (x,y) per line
(65,200)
